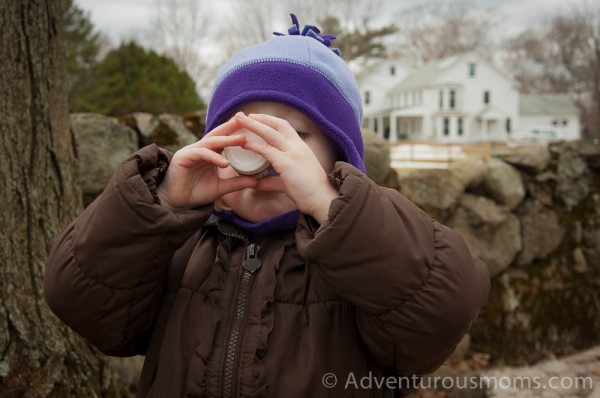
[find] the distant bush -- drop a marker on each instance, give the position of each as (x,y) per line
(133,79)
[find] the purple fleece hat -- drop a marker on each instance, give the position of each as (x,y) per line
(301,71)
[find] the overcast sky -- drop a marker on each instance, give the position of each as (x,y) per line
(123,19)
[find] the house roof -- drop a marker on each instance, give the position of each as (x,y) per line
(425,74)
(428,73)
(546,104)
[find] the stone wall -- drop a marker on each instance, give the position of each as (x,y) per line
(531,212)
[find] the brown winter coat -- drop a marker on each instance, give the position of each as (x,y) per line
(380,289)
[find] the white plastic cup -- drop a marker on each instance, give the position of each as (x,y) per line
(244,161)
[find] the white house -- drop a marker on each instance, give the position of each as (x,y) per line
(458,99)
(548,117)
(376,81)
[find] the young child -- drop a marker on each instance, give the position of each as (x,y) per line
(295,285)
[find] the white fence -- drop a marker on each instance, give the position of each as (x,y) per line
(422,155)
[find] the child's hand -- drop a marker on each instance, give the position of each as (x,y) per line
(301,176)
(192,180)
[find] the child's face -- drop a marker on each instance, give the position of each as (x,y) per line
(257,206)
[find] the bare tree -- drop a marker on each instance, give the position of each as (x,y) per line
(40,356)
(435,31)
(351,21)
(183,30)
(562,55)
(249,22)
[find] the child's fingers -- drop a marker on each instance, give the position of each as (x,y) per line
(269,134)
(217,143)
(280,125)
(225,129)
(191,157)
(265,150)
(228,185)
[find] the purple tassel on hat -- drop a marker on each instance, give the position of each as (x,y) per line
(310,31)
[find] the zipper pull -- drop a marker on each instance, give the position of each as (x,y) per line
(252,262)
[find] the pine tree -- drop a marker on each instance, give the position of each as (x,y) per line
(131,79)
(82,42)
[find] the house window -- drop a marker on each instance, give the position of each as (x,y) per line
(555,122)
(565,122)
(452,98)
(392,70)
(472,69)
(460,126)
(446,126)
(508,125)
(367,97)
(486,97)
(441,99)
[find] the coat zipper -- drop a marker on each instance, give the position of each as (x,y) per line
(250,265)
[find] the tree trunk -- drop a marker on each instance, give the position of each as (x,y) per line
(39,356)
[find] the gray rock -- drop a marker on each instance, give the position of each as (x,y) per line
(196,122)
(540,192)
(541,231)
(102,144)
(579,262)
(377,159)
(435,191)
(469,171)
(504,183)
(533,157)
(591,153)
(482,210)
(546,176)
(573,183)
(171,133)
(491,231)
(143,123)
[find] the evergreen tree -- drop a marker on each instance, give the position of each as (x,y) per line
(82,42)
(132,79)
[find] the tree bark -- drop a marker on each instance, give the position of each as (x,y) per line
(39,356)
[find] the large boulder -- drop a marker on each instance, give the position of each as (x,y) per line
(531,157)
(504,184)
(196,122)
(540,229)
(143,123)
(436,191)
(470,171)
(573,183)
(102,144)
(377,160)
(170,133)
(491,231)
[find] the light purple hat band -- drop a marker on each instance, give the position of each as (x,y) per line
(299,87)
